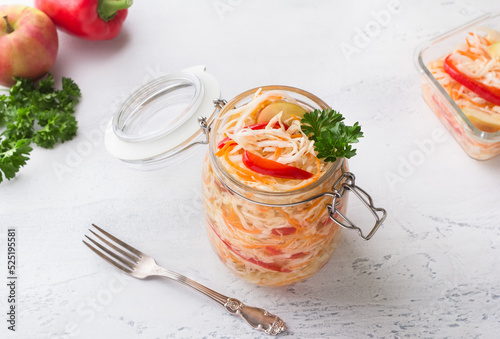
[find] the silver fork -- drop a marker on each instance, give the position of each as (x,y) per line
(141,266)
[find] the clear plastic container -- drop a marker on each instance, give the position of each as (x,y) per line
(269,238)
(477,143)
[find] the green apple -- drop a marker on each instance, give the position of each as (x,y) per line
(28,43)
(289,110)
(495,50)
(484,121)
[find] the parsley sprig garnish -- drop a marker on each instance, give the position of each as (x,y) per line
(332,138)
(35,112)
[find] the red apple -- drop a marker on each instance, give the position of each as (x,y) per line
(28,43)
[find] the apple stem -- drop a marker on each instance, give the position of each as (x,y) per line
(8,27)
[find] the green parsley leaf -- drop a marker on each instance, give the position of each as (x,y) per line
(332,138)
(13,155)
(35,112)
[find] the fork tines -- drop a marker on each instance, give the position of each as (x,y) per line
(122,256)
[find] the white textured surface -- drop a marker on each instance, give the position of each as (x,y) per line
(432,271)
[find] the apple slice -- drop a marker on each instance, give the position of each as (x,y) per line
(495,50)
(289,110)
(485,122)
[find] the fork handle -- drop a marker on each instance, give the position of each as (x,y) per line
(256,317)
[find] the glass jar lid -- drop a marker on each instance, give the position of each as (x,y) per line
(160,121)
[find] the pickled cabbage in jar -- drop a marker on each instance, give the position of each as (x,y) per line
(262,149)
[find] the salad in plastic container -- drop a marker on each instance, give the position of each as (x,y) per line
(460,74)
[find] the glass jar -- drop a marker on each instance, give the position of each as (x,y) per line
(262,243)
(268,238)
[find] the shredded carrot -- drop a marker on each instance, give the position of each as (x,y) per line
(315,176)
(277,152)
(468,53)
(484,40)
(318,215)
(469,99)
(223,150)
(236,224)
(291,220)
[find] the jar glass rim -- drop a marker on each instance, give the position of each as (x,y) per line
(331,168)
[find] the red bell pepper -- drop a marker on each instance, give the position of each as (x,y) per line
(270,266)
(87,19)
(284,230)
(273,168)
(492,94)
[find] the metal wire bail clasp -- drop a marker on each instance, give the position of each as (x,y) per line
(347,182)
(219,103)
(203,123)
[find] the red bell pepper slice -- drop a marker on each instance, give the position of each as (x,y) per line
(284,230)
(275,251)
(269,266)
(273,168)
(492,94)
(87,19)
(266,265)
(272,250)
(298,255)
(260,125)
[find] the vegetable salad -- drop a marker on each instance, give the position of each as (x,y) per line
(261,146)
(470,75)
